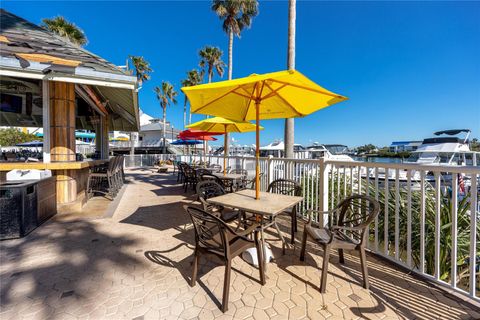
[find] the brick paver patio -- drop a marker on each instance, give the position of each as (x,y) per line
(136,265)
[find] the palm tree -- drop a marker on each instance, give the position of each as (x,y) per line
(194,77)
(65,29)
(236,15)
(166,95)
(142,68)
(211,60)
(290,123)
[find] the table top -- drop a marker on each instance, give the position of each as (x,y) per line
(229,176)
(268,204)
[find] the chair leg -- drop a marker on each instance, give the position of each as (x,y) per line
(280,236)
(293,226)
(258,245)
(340,256)
(326,257)
(226,285)
(363,261)
(196,258)
(304,245)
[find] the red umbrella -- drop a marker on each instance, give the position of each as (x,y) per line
(199,135)
(202,138)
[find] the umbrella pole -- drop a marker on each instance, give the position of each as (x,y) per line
(257,150)
(225,151)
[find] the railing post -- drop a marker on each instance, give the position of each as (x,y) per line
(269,170)
(323,190)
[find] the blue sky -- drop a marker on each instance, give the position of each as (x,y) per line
(409,68)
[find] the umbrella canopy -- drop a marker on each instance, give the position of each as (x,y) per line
(283,94)
(218,124)
(30,144)
(221,124)
(198,134)
(185,142)
(199,138)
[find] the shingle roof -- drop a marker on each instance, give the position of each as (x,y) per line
(19,36)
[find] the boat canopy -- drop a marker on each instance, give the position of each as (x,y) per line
(451,132)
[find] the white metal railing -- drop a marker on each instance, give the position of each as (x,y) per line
(85,149)
(429,221)
(145,160)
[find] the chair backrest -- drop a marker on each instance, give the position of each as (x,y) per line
(179,166)
(211,177)
(188,171)
(210,231)
(112,165)
(357,211)
(208,189)
(243,172)
(286,187)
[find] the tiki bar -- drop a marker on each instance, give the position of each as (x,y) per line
(47,82)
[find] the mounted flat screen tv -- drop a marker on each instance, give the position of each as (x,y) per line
(11,103)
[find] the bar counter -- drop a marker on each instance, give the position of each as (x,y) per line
(71,179)
(11,165)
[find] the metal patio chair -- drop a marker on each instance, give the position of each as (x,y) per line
(214,236)
(348,230)
(208,189)
(292,188)
(103,181)
(189,177)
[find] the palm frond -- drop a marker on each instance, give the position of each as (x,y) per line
(65,29)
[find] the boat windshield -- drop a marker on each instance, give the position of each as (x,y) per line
(336,149)
(431,157)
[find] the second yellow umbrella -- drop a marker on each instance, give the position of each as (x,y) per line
(218,124)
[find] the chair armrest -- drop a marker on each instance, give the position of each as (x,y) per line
(311,212)
(247,231)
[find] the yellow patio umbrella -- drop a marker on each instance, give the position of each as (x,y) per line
(222,125)
(283,94)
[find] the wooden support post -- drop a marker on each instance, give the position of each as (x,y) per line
(46,120)
(62,121)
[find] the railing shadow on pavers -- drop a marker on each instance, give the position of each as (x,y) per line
(59,268)
(206,264)
(161,217)
(388,285)
(153,178)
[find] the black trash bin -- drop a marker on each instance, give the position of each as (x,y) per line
(18,208)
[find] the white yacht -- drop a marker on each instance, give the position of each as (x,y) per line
(276,149)
(448,147)
(329,151)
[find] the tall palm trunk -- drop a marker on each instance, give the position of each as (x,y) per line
(230,54)
(230,76)
(164,129)
(289,123)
